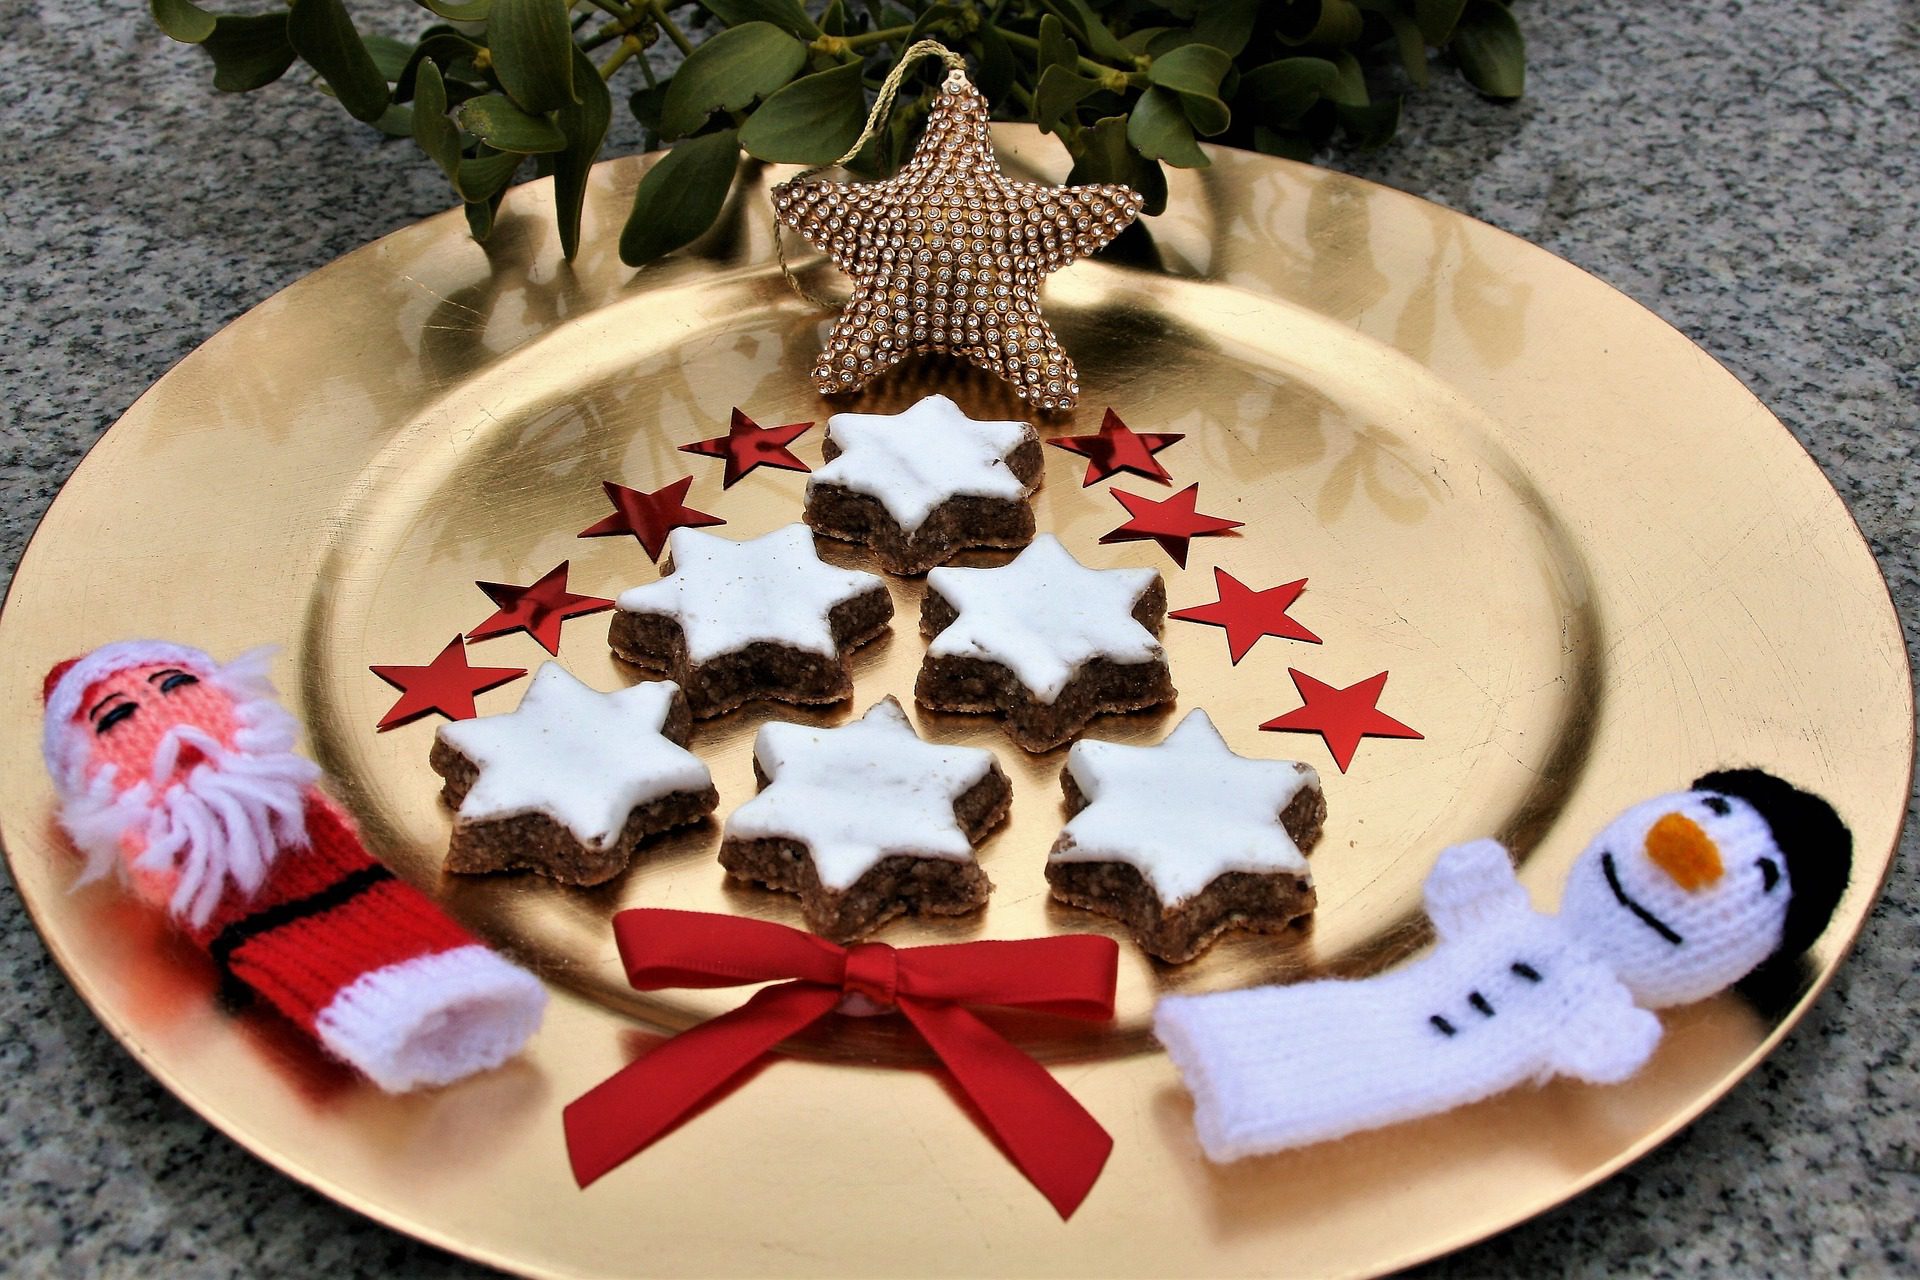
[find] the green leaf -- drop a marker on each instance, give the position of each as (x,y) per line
(1194,72)
(396,121)
(1226,24)
(998,67)
(1371,126)
(433,133)
(248,52)
(1437,18)
(1337,23)
(681,195)
(1107,156)
(1491,51)
(727,73)
(834,21)
(1280,92)
(585,127)
(1056,46)
(645,104)
(811,121)
(1349,87)
(784,14)
(1057,94)
(1407,37)
(481,213)
(1290,146)
(1085,23)
(945,22)
(322,32)
(476,11)
(1192,68)
(184,20)
(497,122)
(533,52)
(1159,130)
(485,176)
(389,55)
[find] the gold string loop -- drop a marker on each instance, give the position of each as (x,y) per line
(876,120)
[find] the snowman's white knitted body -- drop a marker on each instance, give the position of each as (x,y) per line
(1508,994)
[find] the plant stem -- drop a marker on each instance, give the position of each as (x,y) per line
(668,25)
(1105,73)
(627,49)
(882,36)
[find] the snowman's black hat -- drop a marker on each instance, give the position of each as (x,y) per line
(1817,847)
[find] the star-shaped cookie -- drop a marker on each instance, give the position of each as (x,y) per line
(1183,840)
(568,783)
(948,256)
(920,485)
(866,821)
(1045,641)
(761,618)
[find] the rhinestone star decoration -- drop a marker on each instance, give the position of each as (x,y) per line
(1341,716)
(948,256)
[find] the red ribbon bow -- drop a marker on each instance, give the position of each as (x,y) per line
(1046,1133)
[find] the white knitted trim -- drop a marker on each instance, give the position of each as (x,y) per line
(433,1019)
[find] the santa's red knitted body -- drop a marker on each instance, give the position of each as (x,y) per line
(179,774)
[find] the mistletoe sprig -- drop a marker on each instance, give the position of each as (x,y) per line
(489,86)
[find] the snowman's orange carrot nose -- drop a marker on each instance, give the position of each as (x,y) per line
(1678,846)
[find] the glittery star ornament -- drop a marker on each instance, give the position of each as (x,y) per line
(1248,614)
(948,256)
(1171,522)
(446,685)
(649,517)
(537,610)
(748,445)
(1341,716)
(1116,447)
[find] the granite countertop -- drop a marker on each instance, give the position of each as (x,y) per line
(1749,170)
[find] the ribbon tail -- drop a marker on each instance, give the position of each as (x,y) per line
(625,1113)
(1051,1137)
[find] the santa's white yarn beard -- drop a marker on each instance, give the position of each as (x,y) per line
(224,823)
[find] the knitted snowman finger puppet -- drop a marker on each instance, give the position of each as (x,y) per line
(1678,898)
(178,773)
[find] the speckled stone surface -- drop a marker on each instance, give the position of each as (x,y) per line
(1751,171)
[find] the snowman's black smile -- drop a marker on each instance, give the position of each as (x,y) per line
(1647,917)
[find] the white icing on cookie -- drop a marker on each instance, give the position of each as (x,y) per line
(911,462)
(1184,812)
(1044,615)
(585,759)
(727,595)
(865,791)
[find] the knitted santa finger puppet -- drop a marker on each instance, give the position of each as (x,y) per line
(1677,898)
(179,774)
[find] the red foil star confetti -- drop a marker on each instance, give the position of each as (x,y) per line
(649,517)
(748,445)
(1116,447)
(1341,716)
(446,685)
(537,610)
(1248,614)
(1171,522)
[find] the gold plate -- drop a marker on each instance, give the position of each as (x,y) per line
(1593,563)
